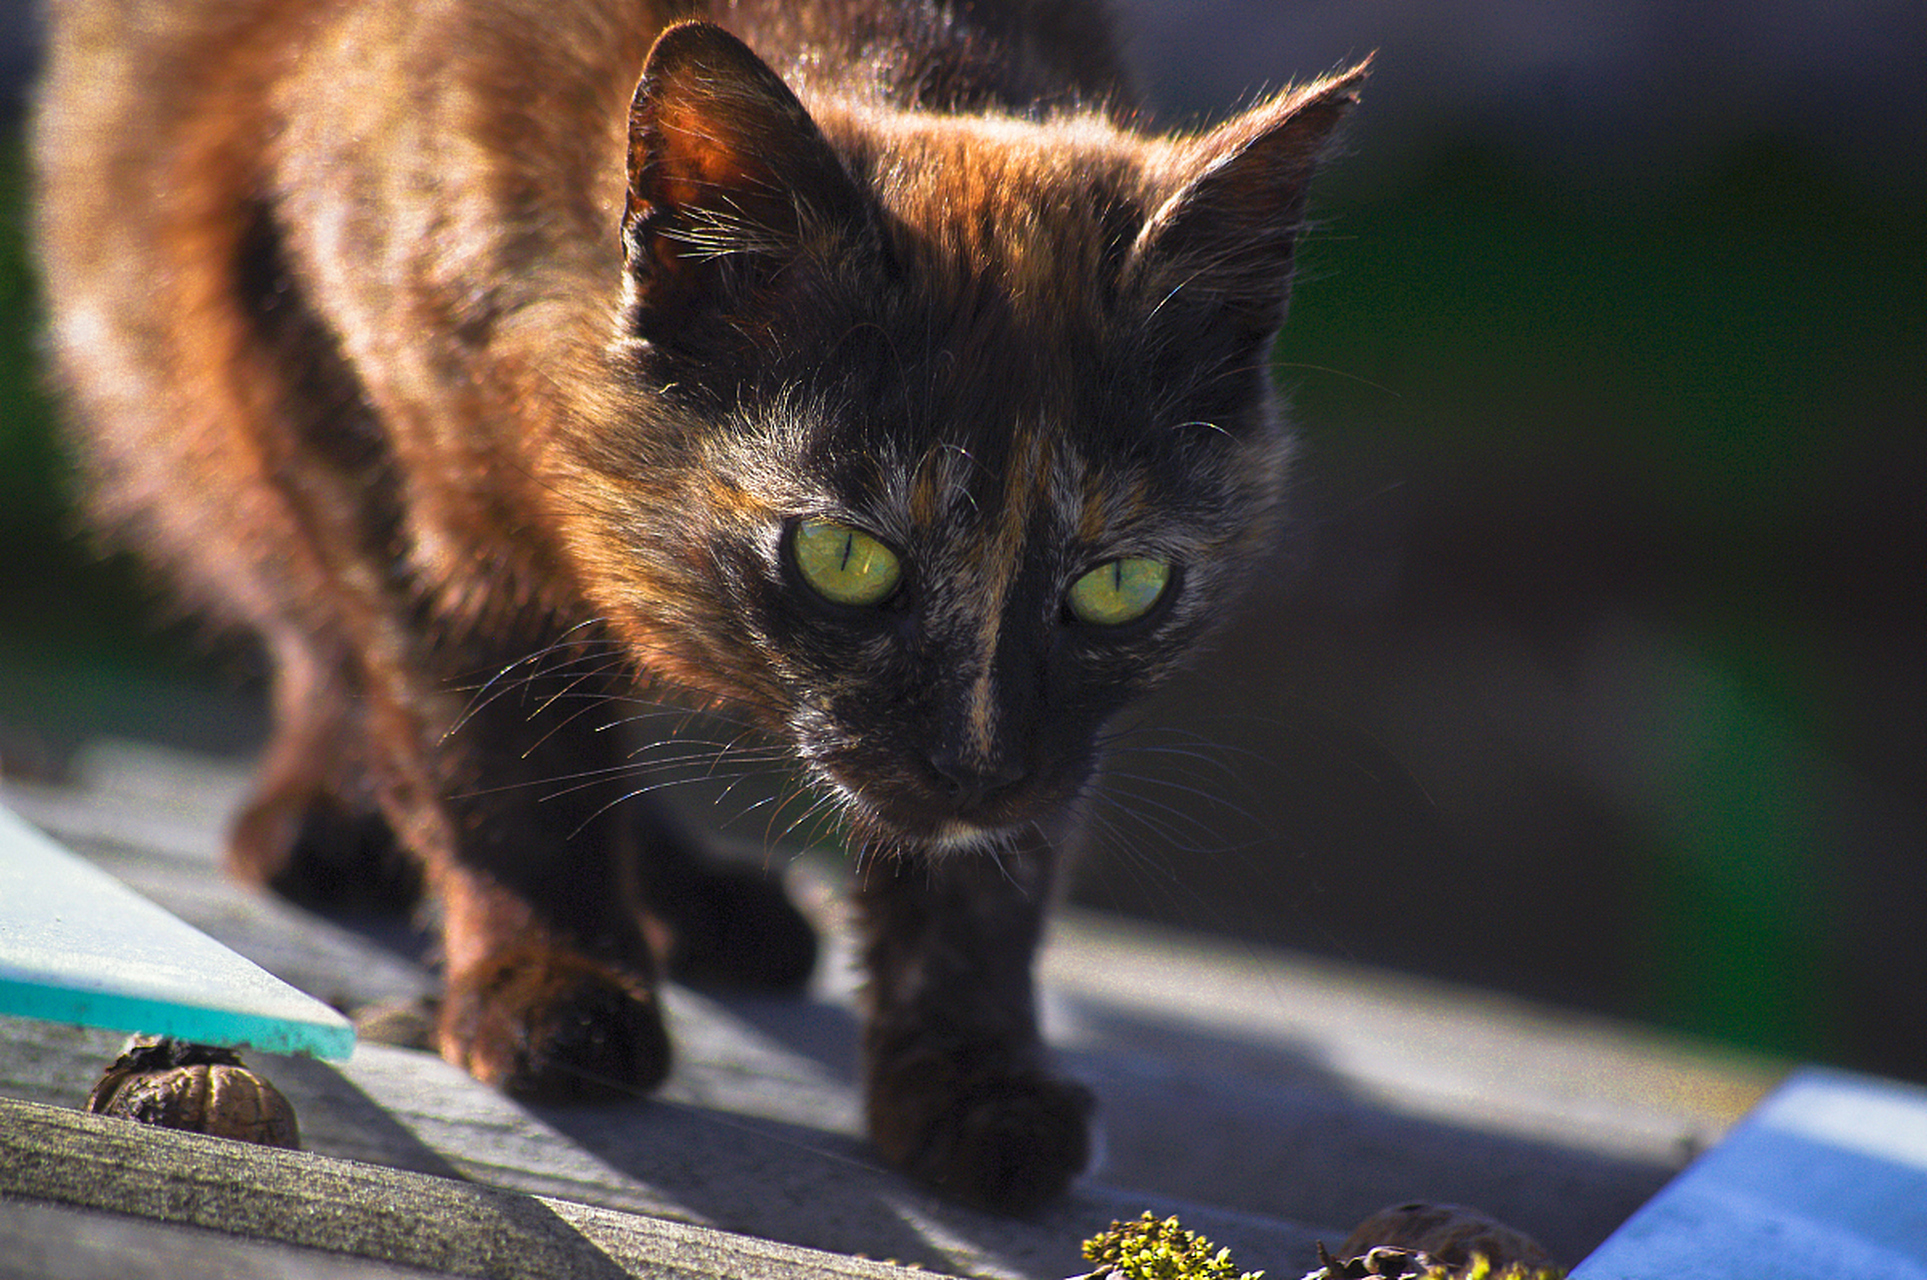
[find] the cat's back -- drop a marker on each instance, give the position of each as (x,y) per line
(276,237)
(506,110)
(368,126)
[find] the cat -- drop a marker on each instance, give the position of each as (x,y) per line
(858,370)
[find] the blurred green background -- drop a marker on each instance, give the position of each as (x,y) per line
(1594,667)
(1599,673)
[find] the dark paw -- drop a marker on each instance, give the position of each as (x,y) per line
(733,927)
(318,852)
(999,1138)
(554,1026)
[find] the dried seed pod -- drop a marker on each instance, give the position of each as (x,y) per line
(197,1088)
(1451,1236)
(1383,1263)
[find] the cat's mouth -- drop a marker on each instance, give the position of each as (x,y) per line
(919,793)
(873,825)
(964,837)
(935,820)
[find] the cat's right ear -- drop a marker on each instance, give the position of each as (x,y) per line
(730,182)
(1225,235)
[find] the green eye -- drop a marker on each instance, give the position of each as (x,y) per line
(844,565)
(1119,591)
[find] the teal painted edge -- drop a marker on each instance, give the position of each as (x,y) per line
(320,1030)
(115,1012)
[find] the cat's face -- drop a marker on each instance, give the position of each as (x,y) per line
(952,436)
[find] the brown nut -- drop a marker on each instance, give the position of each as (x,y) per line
(196,1088)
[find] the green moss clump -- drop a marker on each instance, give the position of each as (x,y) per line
(1153,1249)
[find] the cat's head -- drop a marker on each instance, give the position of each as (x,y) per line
(950,434)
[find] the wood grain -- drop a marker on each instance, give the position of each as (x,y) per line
(308,1201)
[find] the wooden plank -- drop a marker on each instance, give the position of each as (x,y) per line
(297,1198)
(716,1154)
(41,1241)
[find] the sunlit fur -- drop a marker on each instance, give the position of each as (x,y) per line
(478,357)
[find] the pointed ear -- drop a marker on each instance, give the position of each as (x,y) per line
(729,178)
(1224,236)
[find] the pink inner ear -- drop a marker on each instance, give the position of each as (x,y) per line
(715,131)
(730,181)
(697,159)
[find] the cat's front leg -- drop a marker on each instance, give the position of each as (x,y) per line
(513,803)
(533,1006)
(960,1090)
(312,829)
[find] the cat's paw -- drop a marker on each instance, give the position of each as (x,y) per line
(553,1025)
(312,849)
(725,926)
(980,1131)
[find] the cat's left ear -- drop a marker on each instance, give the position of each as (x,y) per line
(1225,234)
(730,181)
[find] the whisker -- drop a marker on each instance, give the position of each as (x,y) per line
(1173,828)
(585,778)
(590,704)
(824,805)
(1196,793)
(631,794)
(487,693)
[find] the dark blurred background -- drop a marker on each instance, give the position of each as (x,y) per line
(1594,667)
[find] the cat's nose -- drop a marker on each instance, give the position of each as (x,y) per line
(969,781)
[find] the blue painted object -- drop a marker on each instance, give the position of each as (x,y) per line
(1826,1178)
(78,946)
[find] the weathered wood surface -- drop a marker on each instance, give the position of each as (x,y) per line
(308,1201)
(44,1241)
(669,1159)
(1253,1090)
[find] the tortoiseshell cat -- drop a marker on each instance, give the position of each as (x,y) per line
(881,387)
